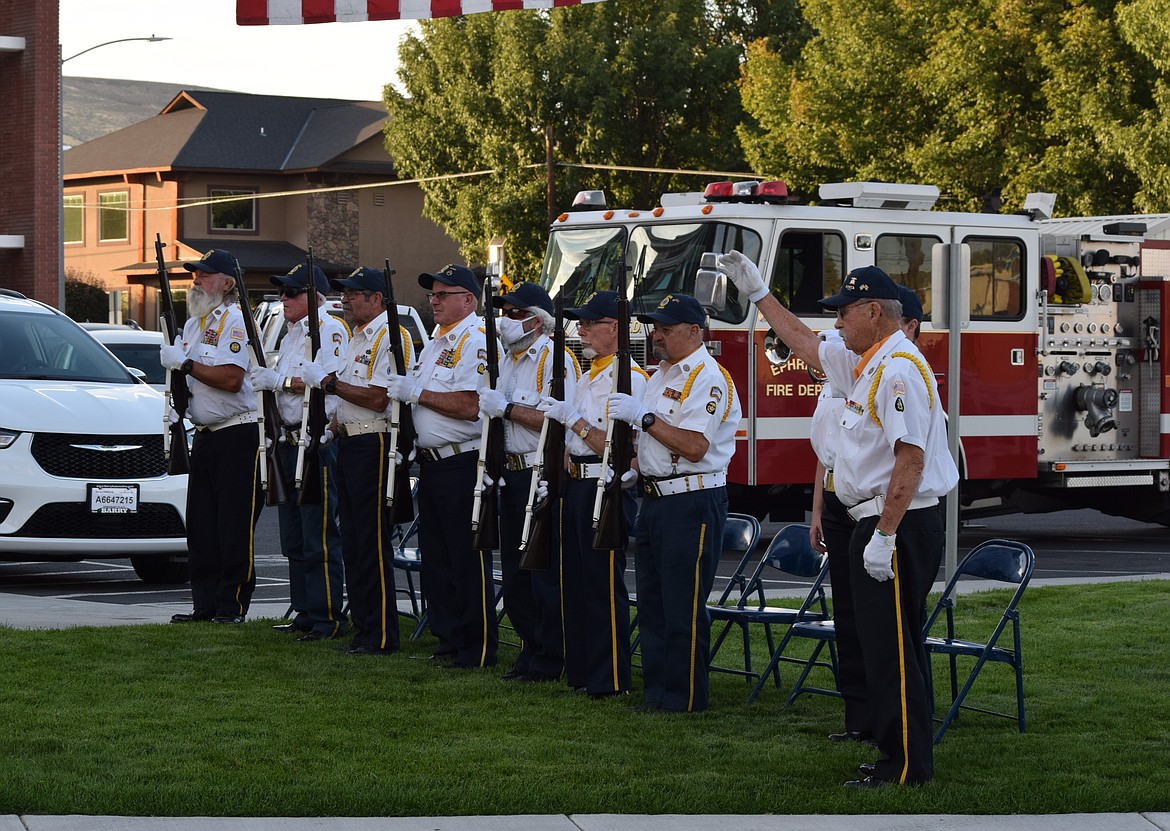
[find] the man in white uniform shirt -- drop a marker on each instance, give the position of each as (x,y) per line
(444,391)
(892,465)
(688,417)
(360,422)
(223,491)
(309,536)
(531,598)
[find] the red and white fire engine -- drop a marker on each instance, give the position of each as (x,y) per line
(1063,399)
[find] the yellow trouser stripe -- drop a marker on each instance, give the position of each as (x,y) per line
(251,530)
(901,672)
(325,544)
(385,640)
(613,645)
(483,599)
(695,619)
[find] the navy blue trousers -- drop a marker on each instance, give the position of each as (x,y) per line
(838,530)
(679,539)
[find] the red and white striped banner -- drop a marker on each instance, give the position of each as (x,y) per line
(279,12)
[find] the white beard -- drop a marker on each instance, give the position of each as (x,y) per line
(588,353)
(200,303)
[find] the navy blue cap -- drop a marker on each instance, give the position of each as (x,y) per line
(867,283)
(597,305)
(677,308)
(525,295)
(298,278)
(911,305)
(214,262)
(362,279)
(451,275)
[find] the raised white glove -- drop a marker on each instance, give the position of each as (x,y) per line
(404,388)
(625,408)
(628,478)
(541,490)
(743,273)
(313,374)
(264,378)
(327,437)
(492,403)
(562,411)
(879,556)
(172,356)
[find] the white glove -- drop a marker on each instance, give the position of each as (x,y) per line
(541,490)
(327,437)
(625,408)
(879,556)
(488,482)
(562,411)
(172,357)
(492,403)
(313,374)
(628,478)
(264,378)
(172,415)
(404,388)
(743,273)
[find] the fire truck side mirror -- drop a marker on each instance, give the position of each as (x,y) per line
(950,289)
(710,284)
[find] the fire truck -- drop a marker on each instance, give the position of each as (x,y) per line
(1062,397)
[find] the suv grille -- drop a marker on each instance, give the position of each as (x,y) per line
(57,455)
(74,519)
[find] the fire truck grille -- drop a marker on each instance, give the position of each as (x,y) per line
(637,351)
(74,520)
(77,456)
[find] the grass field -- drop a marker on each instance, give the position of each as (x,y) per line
(244,721)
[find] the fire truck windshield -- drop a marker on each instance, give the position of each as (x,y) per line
(661,259)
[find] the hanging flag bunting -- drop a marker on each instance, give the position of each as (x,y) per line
(283,12)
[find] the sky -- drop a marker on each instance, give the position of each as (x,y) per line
(323,60)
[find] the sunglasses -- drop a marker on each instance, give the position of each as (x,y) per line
(292,294)
(516,314)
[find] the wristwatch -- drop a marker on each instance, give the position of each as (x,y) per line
(508,410)
(584,432)
(287,385)
(187,366)
(647,421)
(330,386)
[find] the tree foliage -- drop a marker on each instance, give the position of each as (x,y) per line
(651,85)
(86,299)
(976,96)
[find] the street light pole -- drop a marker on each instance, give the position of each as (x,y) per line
(61,152)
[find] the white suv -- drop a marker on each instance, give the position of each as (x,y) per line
(82,473)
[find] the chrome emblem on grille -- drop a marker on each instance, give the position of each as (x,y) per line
(107,448)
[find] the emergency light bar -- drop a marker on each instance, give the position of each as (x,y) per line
(773,192)
(589,200)
(888,195)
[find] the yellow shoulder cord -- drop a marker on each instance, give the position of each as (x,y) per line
(730,392)
(642,372)
(459,347)
(877,377)
(540,371)
(407,344)
(374,353)
(686,390)
(576,364)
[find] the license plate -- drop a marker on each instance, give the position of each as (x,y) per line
(113,499)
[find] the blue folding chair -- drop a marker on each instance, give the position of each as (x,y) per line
(1002,561)
(408,559)
(791,555)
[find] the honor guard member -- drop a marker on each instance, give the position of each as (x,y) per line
(360,423)
(892,465)
(444,392)
(309,536)
(595,600)
(830,531)
(688,419)
(531,598)
(223,490)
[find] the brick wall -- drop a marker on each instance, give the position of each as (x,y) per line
(29,146)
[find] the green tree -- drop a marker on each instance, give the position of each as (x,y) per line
(618,83)
(85,297)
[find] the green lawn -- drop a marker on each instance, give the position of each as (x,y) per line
(217,720)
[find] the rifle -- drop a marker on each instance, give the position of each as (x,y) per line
(609,519)
(401,418)
(313,423)
(536,539)
(485,511)
(178,394)
(268,418)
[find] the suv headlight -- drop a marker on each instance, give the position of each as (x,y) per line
(7,437)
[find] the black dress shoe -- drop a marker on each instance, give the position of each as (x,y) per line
(197,616)
(230,619)
(291,626)
(314,635)
(537,677)
(367,650)
(513,675)
(868,783)
(867,768)
(853,736)
(601,696)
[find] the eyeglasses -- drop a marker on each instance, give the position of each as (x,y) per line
(589,324)
(292,294)
(516,314)
(355,292)
(432,296)
(841,310)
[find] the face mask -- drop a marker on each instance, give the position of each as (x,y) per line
(511,331)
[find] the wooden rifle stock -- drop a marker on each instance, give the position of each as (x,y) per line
(609,519)
(308,475)
(268,418)
(398,497)
(537,538)
(178,394)
(485,513)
